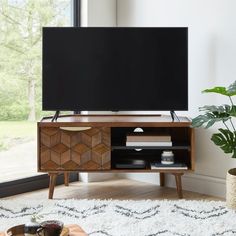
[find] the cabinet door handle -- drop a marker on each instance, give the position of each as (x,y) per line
(75,128)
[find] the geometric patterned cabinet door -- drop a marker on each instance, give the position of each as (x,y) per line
(74,150)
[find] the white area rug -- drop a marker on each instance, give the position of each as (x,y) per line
(128,218)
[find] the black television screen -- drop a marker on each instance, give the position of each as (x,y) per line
(115,69)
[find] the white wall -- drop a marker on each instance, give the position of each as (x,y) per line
(98,13)
(212,61)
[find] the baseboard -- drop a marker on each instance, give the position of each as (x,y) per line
(151,178)
(201,184)
(191,182)
(95,177)
(83,177)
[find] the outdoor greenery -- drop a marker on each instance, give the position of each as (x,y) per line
(16,132)
(21,23)
(226,138)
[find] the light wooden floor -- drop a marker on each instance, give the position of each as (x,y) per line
(119,189)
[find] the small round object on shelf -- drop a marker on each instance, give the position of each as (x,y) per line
(167,158)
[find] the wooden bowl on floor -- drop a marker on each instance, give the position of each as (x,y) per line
(19,231)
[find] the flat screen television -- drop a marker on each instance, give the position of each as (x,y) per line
(115,69)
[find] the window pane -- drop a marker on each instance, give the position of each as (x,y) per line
(21,23)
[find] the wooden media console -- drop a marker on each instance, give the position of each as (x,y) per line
(95,143)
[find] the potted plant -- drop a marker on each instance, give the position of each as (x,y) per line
(225,138)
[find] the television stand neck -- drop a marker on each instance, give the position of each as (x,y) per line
(173,116)
(56,115)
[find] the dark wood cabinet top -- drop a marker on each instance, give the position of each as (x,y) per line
(115,121)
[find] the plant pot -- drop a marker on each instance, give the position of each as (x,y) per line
(231,189)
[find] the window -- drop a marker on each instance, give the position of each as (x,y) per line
(21,23)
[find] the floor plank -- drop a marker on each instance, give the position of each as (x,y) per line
(119,189)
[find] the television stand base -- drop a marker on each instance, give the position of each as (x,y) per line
(173,116)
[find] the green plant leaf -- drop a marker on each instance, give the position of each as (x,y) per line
(222,111)
(232,89)
(210,123)
(226,140)
(220,90)
(232,111)
(208,119)
(212,115)
(199,121)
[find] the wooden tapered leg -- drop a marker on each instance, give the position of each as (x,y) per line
(179,184)
(162,179)
(52,182)
(66,178)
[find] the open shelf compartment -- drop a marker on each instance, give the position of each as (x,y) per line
(120,153)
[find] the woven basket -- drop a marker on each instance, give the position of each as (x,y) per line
(231,188)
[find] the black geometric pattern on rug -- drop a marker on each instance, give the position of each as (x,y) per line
(137,215)
(200,215)
(73,212)
(225,233)
(25,211)
(170,233)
